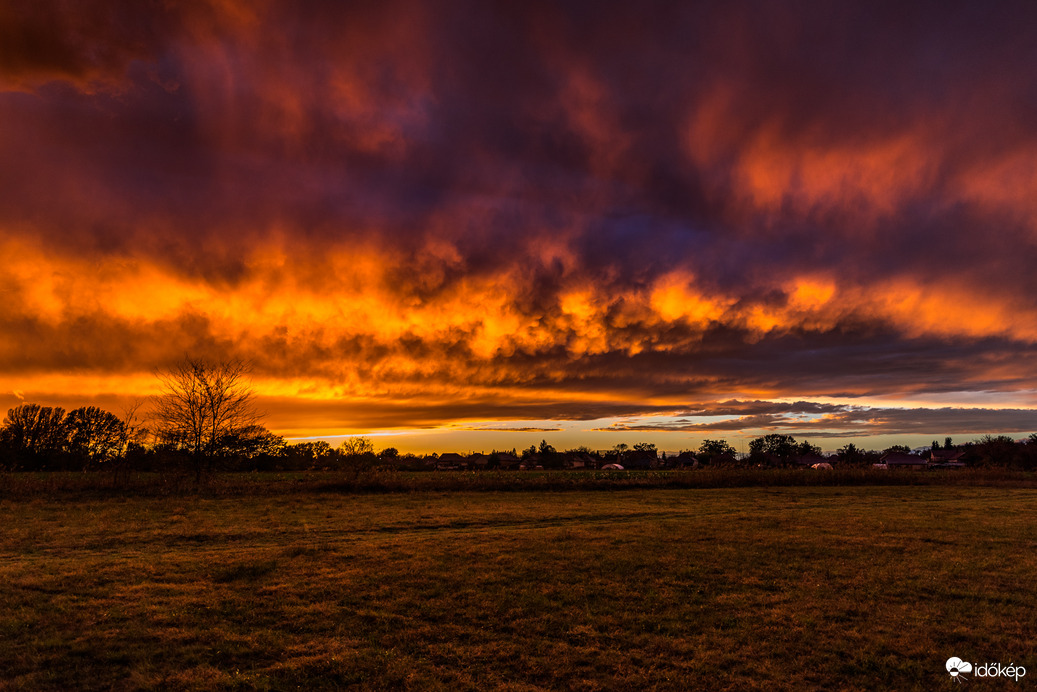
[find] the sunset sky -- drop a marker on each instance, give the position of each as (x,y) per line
(475,225)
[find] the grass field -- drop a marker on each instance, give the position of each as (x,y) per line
(723,588)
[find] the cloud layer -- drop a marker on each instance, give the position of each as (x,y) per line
(524,212)
(814,419)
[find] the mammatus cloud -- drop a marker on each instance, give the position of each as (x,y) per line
(537,212)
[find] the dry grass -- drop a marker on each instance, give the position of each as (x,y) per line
(136,485)
(745,588)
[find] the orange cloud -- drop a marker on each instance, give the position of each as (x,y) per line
(340,326)
(516,206)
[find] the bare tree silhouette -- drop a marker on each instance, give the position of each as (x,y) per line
(204,405)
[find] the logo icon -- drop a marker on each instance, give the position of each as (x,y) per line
(956,666)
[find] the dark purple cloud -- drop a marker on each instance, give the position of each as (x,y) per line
(556,210)
(841,420)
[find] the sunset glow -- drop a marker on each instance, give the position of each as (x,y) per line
(480,228)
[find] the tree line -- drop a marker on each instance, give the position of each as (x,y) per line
(37,437)
(784,450)
(205,418)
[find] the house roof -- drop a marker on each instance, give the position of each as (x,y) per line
(952,454)
(810,459)
(901,459)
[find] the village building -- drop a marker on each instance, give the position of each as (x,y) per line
(579,460)
(947,458)
(637,459)
(507,461)
(684,460)
(809,460)
(901,460)
(450,461)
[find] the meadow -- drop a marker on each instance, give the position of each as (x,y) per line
(794,587)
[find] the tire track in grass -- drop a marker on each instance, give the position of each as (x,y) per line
(197,545)
(203,544)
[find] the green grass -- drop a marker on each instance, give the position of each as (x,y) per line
(730,588)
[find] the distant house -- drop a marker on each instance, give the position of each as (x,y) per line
(947,458)
(579,460)
(427,462)
(531,462)
(900,460)
(507,461)
(811,460)
(640,460)
(450,461)
(768,460)
(478,462)
(409,462)
(725,459)
(684,460)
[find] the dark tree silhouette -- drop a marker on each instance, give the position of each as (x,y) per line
(851,454)
(203,406)
(95,436)
(316,454)
(782,447)
(715,448)
(34,433)
(804,448)
(999,450)
(357,455)
(356,446)
(252,444)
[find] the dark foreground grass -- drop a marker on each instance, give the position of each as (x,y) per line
(744,588)
(106,485)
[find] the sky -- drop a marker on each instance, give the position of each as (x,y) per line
(466,225)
